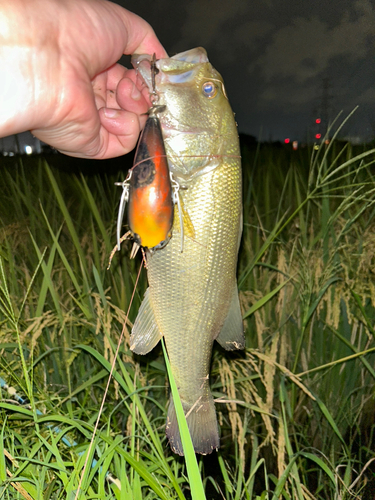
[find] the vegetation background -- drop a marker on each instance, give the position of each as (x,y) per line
(296,408)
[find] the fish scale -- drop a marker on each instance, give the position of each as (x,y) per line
(192,297)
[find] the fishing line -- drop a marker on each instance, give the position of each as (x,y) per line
(108,382)
(177,156)
(175,185)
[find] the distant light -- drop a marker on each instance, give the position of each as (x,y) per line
(316,146)
(318,120)
(318,136)
(287,140)
(28,150)
(327,141)
(295,145)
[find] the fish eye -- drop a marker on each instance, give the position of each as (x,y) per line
(209,89)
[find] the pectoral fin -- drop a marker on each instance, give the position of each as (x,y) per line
(145,334)
(188,226)
(231,336)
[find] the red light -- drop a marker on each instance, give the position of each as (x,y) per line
(318,136)
(287,140)
(318,120)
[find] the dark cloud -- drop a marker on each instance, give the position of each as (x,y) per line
(274,56)
(304,48)
(251,33)
(199,12)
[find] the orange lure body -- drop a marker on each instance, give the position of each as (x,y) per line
(150,205)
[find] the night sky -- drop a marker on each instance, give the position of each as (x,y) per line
(281,60)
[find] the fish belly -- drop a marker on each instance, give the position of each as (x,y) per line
(190,294)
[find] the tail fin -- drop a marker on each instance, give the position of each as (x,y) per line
(202,423)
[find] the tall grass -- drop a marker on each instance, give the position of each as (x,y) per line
(295,409)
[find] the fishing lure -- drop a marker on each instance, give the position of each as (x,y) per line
(150,189)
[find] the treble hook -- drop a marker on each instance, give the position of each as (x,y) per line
(123,201)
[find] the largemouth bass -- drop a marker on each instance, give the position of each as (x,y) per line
(192,297)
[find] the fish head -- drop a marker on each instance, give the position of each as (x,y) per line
(196,118)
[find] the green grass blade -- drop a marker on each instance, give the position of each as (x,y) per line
(48,282)
(67,217)
(96,213)
(261,302)
(3,472)
(330,420)
(61,253)
(195,480)
(320,463)
(99,285)
(362,309)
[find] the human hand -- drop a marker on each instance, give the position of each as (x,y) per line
(60,78)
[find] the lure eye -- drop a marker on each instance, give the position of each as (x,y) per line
(209,89)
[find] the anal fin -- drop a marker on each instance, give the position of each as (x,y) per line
(231,336)
(145,333)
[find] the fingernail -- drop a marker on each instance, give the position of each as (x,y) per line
(136,95)
(111,113)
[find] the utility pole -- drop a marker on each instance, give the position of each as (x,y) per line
(323,110)
(326,106)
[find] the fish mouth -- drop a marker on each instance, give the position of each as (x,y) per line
(180,68)
(182,137)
